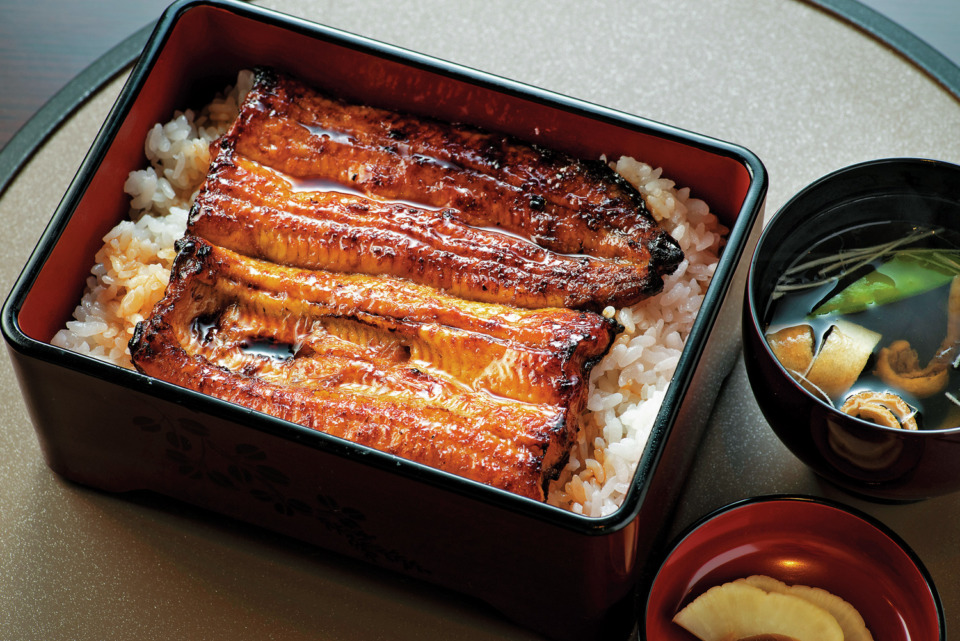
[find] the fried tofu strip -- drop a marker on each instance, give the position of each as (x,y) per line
(479,215)
(488,392)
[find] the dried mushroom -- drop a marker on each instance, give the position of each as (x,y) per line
(899,364)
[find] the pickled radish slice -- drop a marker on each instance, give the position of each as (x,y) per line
(853,626)
(737,610)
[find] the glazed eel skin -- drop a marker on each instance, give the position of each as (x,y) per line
(485,391)
(310,181)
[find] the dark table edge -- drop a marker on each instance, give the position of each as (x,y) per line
(18,151)
(43,124)
(937,65)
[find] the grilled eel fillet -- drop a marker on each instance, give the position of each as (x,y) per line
(485,391)
(309,181)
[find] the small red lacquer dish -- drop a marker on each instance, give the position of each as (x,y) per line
(806,541)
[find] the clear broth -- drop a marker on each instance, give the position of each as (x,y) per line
(920,319)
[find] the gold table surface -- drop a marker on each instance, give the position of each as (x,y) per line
(805,90)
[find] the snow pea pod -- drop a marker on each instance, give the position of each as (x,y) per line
(907,274)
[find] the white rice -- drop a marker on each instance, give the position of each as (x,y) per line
(132,268)
(626,388)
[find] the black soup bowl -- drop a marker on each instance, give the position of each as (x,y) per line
(863,457)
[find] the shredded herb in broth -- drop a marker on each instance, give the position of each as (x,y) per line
(837,265)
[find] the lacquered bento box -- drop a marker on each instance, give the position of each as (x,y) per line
(120,431)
